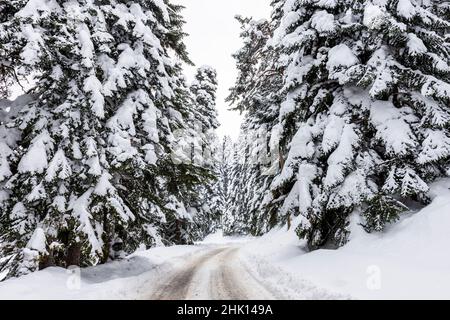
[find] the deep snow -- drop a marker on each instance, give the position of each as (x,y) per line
(410,260)
(128,279)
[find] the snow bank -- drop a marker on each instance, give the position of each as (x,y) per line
(218,238)
(410,260)
(131,279)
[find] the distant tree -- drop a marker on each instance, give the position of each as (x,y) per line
(205,150)
(256,92)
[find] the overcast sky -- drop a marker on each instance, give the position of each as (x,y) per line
(213,38)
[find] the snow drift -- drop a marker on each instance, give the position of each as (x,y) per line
(410,260)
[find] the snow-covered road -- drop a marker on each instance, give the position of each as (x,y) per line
(217,274)
(224,270)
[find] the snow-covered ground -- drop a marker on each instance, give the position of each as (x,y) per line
(410,260)
(127,279)
(215,269)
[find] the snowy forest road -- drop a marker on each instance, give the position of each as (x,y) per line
(215,274)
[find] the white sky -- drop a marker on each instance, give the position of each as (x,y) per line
(213,38)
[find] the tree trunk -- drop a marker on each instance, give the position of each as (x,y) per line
(106,238)
(178,231)
(73,257)
(282,161)
(47,261)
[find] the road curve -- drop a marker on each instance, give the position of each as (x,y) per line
(216,274)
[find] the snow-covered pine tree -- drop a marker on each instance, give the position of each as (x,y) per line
(256,94)
(365,116)
(7,9)
(204,89)
(441,8)
(236,220)
(238,217)
(6,82)
(178,177)
(91,174)
(222,192)
(205,144)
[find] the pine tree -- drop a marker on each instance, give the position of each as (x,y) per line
(92,173)
(359,112)
(206,201)
(256,93)
(365,115)
(222,188)
(8,28)
(204,90)
(236,219)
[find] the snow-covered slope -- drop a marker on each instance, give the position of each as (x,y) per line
(128,279)
(410,260)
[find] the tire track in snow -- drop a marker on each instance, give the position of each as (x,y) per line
(177,287)
(216,275)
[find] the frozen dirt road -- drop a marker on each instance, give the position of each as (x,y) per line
(215,274)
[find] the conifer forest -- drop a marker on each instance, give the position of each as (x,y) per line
(121,161)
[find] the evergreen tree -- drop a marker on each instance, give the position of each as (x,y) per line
(204,89)
(249,180)
(91,173)
(354,96)
(8,74)
(365,115)
(222,187)
(204,144)
(256,93)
